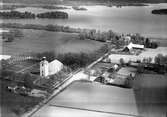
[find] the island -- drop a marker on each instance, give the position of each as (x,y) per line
(51,7)
(79,8)
(56,14)
(159,11)
(29,15)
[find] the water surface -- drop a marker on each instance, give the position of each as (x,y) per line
(131,19)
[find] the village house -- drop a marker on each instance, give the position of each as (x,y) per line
(132,46)
(4,57)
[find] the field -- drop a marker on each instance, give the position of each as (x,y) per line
(162,41)
(150,93)
(41,41)
(88,99)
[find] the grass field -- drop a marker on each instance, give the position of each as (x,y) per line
(42,41)
(151,93)
(162,41)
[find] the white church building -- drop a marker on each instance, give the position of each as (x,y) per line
(51,68)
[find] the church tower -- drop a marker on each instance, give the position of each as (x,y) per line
(44,67)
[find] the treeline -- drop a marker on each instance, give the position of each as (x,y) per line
(97,35)
(74,60)
(29,15)
(117,39)
(56,28)
(79,8)
(92,34)
(56,14)
(160,11)
(17,15)
(83,33)
(159,65)
(148,43)
(11,6)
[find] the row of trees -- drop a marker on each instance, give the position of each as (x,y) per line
(74,60)
(56,28)
(138,39)
(25,15)
(159,65)
(97,35)
(56,14)
(16,15)
(116,39)
(149,44)
(160,59)
(92,34)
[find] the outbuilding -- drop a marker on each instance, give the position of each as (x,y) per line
(132,46)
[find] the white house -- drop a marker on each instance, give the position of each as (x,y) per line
(51,68)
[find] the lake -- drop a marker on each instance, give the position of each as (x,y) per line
(132,19)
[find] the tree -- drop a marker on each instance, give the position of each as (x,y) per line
(128,81)
(28,80)
(147,43)
(158,59)
(129,62)
(149,60)
(140,68)
(122,62)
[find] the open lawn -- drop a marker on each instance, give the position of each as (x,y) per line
(41,41)
(162,41)
(151,94)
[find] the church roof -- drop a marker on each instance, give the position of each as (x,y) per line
(55,66)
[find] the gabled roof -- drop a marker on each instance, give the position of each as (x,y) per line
(5,57)
(55,66)
(131,45)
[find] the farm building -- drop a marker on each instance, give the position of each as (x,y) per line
(4,57)
(51,68)
(132,46)
(3,30)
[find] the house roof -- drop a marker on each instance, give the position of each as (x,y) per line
(131,45)
(5,57)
